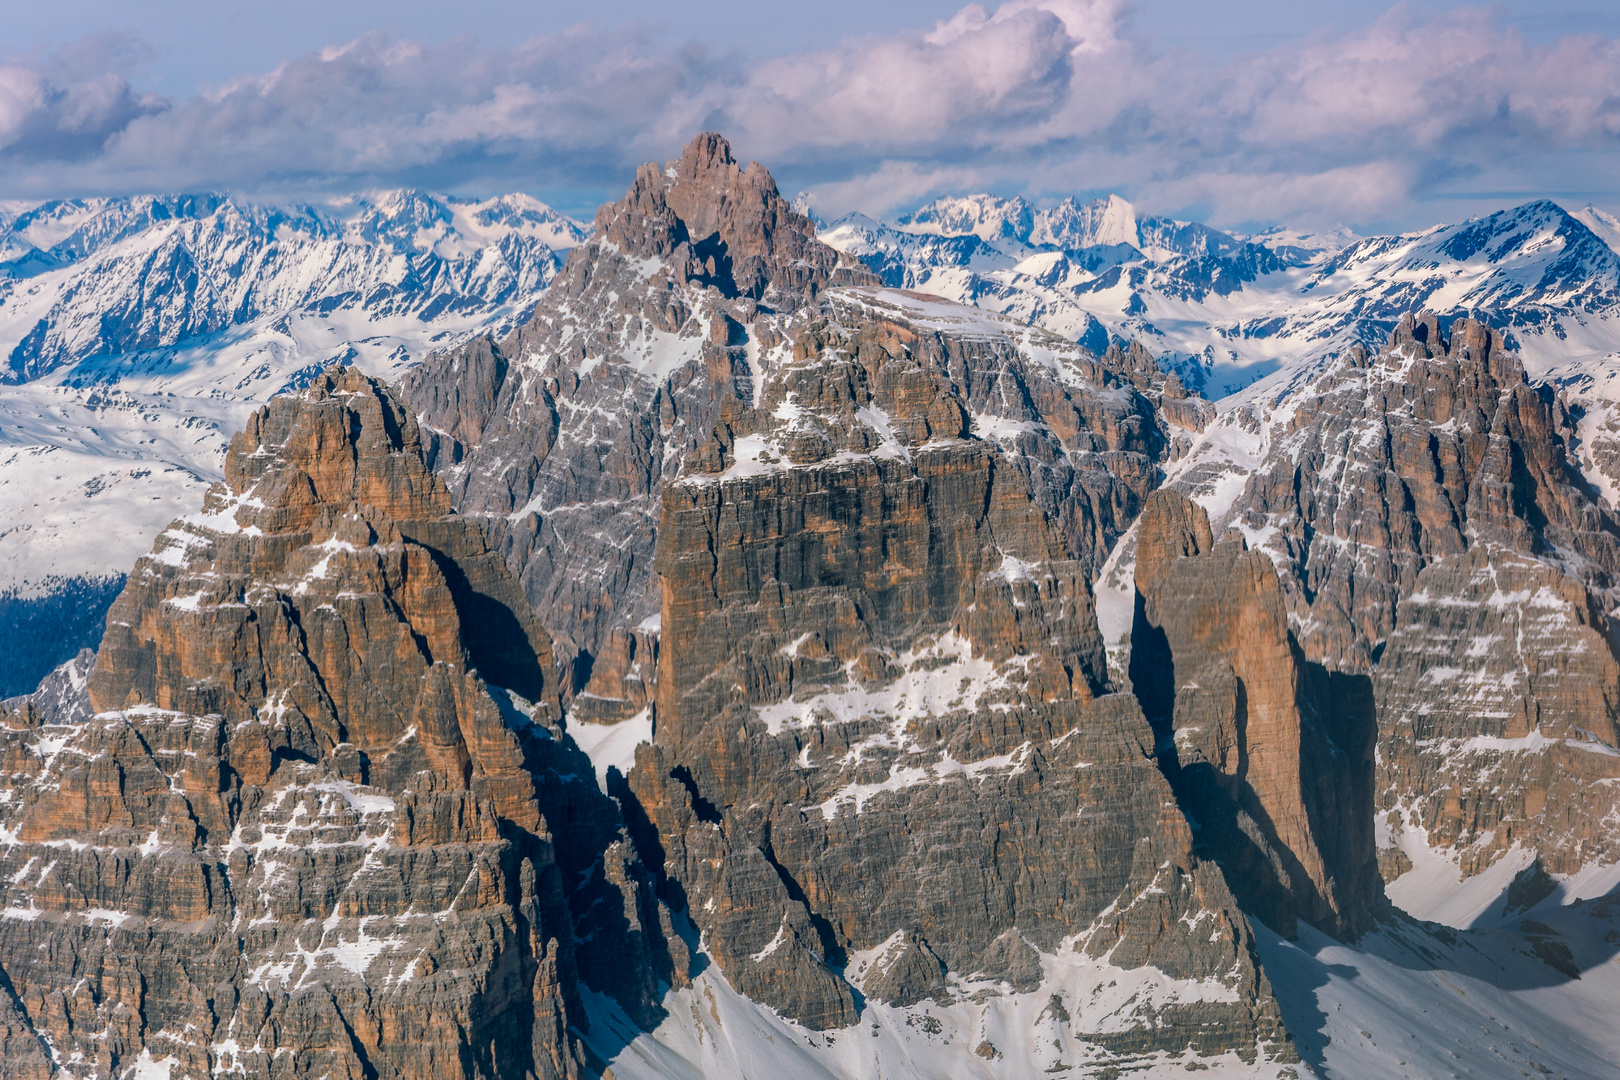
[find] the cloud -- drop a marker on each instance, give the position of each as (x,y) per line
(67,105)
(1044,97)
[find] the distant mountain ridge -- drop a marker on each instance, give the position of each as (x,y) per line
(87,278)
(137,333)
(1226,310)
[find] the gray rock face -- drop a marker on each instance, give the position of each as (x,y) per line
(1499,711)
(1432,535)
(305,832)
(63,696)
(875,517)
(1395,460)
(881,703)
(560,438)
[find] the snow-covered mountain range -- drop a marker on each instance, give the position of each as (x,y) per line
(1227,310)
(957,633)
(136,334)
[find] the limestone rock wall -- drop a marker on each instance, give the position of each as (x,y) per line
(305,830)
(1392,460)
(1270,754)
(559,438)
(1431,532)
(884,732)
(1499,706)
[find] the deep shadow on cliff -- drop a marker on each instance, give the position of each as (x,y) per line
(1269,754)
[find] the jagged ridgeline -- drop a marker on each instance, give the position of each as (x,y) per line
(722,655)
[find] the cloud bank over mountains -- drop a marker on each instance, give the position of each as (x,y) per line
(1035,96)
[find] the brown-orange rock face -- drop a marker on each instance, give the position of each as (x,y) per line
(1272,755)
(883,726)
(559,438)
(303,833)
(1431,531)
(1499,714)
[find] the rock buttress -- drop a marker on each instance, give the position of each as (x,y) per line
(1271,755)
(305,831)
(885,754)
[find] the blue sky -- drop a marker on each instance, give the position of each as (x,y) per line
(1244,113)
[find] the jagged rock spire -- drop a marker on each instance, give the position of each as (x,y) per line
(722,224)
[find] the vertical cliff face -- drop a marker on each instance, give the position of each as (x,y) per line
(885,762)
(884,765)
(305,830)
(559,439)
(1391,461)
(1270,754)
(1499,712)
(1430,531)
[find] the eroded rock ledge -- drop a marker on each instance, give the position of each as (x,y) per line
(306,831)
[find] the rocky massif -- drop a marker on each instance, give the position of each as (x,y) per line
(1434,535)
(858,526)
(882,705)
(305,830)
(140,333)
(1270,753)
(744,667)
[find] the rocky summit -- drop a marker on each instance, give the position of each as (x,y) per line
(748,667)
(305,831)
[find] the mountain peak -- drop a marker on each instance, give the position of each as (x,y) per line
(1071,224)
(718,223)
(1602,224)
(989,217)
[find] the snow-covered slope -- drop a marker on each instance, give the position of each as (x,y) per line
(1226,311)
(1478,994)
(138,333)
(110,277)
(1603,224)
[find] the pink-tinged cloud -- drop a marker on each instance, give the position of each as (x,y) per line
(1043,96)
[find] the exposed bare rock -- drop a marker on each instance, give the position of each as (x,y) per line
(1430,529)
(906,971)
(880,704)
(559,438)
(306,832)
(882,699)
(1387,462)
(1271,754)
(1499,707)
(718,224)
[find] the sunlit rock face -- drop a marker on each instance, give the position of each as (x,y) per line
(810,568)
(1435,535)
(1272,755)
(832,544)
(302,825)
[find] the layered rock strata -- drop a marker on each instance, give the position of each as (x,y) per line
(1390,461)
(1270,754)
(885,751)
(866,648)
(1499,714)
(1431,530)
(305,831)
(559,438)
